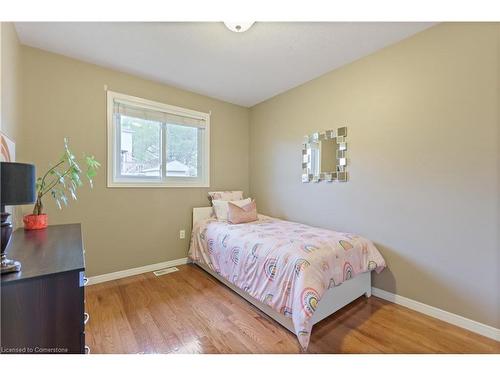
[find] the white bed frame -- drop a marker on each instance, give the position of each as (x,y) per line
(334,299)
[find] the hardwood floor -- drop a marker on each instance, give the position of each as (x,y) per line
(191,312)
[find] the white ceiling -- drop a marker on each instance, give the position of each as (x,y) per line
(241,68)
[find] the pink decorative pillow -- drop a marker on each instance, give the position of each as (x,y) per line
(244,214)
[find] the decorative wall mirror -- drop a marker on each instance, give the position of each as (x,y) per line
(324,156)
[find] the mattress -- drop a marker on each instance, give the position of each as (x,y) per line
(285,265)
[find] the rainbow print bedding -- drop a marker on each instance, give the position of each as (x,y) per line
(288,266)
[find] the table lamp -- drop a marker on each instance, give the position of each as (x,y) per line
(17,187)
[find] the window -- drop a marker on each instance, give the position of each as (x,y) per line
(152,144)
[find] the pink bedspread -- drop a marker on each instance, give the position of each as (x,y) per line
(288,266)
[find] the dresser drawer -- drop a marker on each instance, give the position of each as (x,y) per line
(59,318)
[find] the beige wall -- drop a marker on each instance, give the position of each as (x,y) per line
(123,227)
(498,173)
(10,93)
(424,175)
(10,81)
(1,44)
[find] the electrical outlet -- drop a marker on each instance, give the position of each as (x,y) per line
(182,234)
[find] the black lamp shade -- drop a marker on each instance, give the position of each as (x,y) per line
(17,183)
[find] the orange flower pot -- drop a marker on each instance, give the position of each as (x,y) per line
(35,221)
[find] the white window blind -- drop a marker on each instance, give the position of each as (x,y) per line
(131,110)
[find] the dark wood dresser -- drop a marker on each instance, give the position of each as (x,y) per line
(43,307)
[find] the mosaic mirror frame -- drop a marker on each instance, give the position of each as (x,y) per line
(322,163)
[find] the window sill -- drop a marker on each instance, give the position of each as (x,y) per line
(155,185)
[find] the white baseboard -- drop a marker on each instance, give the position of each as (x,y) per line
(460,321)
(135,271)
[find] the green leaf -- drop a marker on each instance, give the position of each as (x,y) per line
(38,184)
(72,192)
(91,173)
(64,199)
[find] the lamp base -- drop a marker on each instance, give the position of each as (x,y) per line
(9,265)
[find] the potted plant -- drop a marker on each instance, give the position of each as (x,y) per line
(60,180)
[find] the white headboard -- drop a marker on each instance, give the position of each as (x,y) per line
(201,213)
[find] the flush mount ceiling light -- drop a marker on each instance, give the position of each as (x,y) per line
(239,27)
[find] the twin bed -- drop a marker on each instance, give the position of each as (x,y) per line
(296,274)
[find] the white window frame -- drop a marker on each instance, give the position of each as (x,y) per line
(165,181)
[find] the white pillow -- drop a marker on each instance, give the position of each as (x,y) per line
(230,195)
(221,207)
